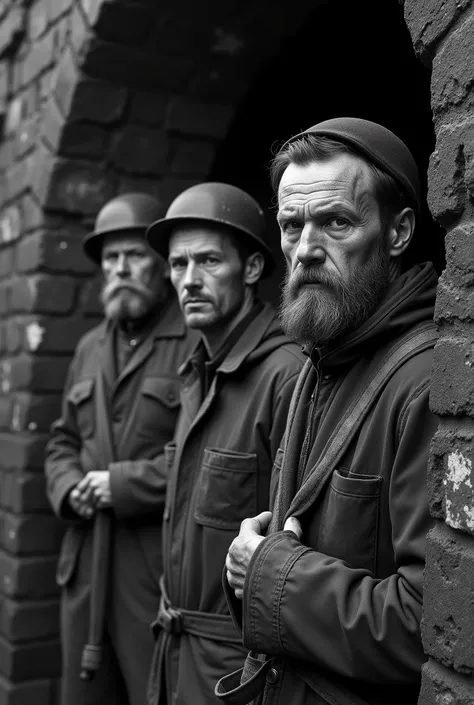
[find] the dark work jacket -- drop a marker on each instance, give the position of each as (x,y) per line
(345,601)
(219,473)
(143,405)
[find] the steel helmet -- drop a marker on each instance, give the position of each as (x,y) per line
(213,202)
(131,212)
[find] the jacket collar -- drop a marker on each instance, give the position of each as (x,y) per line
(247,343)
(169,323)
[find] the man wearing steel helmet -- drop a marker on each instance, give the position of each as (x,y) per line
(104,459)
(236,391)
(328,588)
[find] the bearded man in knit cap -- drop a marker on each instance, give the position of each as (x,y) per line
(328,587)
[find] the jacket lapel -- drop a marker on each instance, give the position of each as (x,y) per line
(107,355)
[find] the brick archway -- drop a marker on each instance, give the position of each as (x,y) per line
(104,96)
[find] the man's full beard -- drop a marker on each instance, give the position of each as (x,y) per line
(313,316)
(126,301)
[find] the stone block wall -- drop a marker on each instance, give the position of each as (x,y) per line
(443,37)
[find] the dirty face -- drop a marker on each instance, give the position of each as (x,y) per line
(336,252)
(134,277)
(208,274)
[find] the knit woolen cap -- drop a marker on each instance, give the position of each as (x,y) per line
(379,145)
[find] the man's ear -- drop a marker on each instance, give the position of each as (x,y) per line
(401,231)
(253,268)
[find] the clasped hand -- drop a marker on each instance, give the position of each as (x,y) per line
(244,545)
(91,493)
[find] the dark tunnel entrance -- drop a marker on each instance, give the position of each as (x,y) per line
(349,59)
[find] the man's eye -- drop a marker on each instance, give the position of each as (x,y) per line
(177,265)
(210,260)
(337,223)
(291,226)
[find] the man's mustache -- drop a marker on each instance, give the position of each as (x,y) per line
(112,288)
(310,276)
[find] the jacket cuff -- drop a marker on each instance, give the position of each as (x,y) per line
(264,584)
(122,504)
(234,605)
(62,489)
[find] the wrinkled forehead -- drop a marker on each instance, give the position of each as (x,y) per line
(124,241)
(344,176)
(198,237)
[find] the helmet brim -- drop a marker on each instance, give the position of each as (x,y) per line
(159,233)
(93,242)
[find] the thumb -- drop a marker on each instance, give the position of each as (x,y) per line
(257,524)
(293,524)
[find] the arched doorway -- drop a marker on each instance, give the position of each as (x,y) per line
(349,59)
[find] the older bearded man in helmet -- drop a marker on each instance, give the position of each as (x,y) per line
(235,398)
(104,461)
(330,594)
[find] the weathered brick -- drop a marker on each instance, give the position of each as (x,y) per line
(32,215)
(23,451)
(28,621)
(30,535)
(148,108)
(37,19)
(130,66)
(14,335)
(23,492)
(5,291)
(83,140)
(12,30)
(56,8)
(448,599)
(170,187)
(193,158)
(38,374)
(124,23)
(5,412)
(54,252)
(454,304)
(450,477)
(96,100)
(459,260)
(28,578)
(89,302)
(79,32)
(32,692)
(53,335)
(27,136)
(140,150)
(78,187)
(65,80)
(446,192)
(198,118)
(43,293)
(39,57)
(19,175)
(428,22)
(30,660)
(452,78)
(34,413)
(92,9)
(442,686)
(7,257)
(452,391)
(11,224)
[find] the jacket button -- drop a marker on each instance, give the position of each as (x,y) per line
(171,396)
(273,676)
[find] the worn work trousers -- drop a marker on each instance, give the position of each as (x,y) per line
(128,645)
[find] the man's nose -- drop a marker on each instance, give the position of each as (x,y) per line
(123,266)
(311,245)
(192,277)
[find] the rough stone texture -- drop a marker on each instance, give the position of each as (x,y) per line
(448,621)
(442,686)
(452,79)
(453,392)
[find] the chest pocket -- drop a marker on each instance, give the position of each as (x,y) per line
(158,407)
(348,529)
(227,489)
(81,396)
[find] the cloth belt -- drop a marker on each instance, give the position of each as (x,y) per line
(177,621)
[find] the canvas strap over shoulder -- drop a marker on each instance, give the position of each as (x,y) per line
(417,340)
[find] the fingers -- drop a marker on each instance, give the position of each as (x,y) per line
(293,524)
(257,524)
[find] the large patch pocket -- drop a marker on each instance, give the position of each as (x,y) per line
(348,529)
(227,491)
(82,398)
(158,407)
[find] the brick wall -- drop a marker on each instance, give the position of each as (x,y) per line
(97,97)
(443,37)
